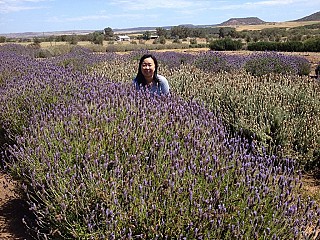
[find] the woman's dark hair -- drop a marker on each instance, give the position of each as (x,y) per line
(140,78)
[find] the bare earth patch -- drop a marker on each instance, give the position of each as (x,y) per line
(311,186)
(12,210)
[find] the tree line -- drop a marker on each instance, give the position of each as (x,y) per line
(218,38)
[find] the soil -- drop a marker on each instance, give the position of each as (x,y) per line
(13,208)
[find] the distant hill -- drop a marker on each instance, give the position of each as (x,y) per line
(45,34)
(136,29)
(142,29)
(243,21)
(312,17)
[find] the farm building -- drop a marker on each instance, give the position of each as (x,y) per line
(123,38)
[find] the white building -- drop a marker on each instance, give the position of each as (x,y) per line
(123,38)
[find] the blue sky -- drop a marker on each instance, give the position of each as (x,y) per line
(17,16)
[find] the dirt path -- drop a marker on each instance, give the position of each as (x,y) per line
(12,211)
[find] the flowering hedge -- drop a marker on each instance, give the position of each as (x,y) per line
(260,64)
(281,111)
(99,160)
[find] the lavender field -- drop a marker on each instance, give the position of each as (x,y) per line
(221,157)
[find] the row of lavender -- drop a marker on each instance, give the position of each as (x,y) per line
(280,109)
(100,160)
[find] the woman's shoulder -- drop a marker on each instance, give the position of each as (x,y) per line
(164,84)
(162,78)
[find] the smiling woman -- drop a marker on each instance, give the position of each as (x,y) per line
(148,77)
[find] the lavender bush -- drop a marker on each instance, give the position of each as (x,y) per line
(17,49)
(29,85)
(100,160)
(281,111)
(219,62)
(121,164)
(260,64)
(80,59)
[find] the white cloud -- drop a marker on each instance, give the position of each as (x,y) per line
(229,5)
(93,17)
(274,2)
(145,5)
(192,7)
(7,6)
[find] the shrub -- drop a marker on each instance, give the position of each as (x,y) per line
(111,48)
(96,48)
(17,49)
(263,46)
(273,62)
(43,53)
(193,41)
(60,50)
(2,39)
(217,62)
(309,45)
(162,40)
(225,44)
(73,39)
(199,45)
(177,40)
(291,46)
(312,45)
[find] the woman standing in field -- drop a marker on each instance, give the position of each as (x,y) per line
(148,77)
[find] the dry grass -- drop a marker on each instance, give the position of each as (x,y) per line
(311,187)
(274,25)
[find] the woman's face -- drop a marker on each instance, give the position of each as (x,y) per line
(147,68)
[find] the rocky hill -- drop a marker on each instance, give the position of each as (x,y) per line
(242,21)
(312,17)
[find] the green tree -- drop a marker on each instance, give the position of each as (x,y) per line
(233,33)
(222,33)
(180,31)
(99,40)
(36,41)
(64,38)
(161,32)
(2,39)
(248,38)
(96,37)
(108,33)
(73,39)
(146,35)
